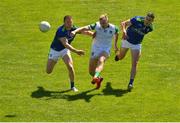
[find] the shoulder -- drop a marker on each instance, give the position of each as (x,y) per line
(61,29)
(114,27)
(94,25)
(137,19)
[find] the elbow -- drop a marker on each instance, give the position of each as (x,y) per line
(64,44)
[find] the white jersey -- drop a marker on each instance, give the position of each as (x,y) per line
(103,36)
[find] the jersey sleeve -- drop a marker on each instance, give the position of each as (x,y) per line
(92,26)
(75,27)
(133,20)
(136,20)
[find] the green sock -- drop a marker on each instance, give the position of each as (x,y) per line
(97,74)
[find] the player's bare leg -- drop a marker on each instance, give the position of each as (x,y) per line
(121,54)
(50,65)
(100,65)
(135,58)
(92,66)
(69,64)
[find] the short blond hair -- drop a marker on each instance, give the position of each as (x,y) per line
(103,16)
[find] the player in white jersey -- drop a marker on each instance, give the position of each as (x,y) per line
(102,42)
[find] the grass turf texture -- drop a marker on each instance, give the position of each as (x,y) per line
(27,93)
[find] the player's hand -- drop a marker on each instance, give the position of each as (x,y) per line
(94,35)
(80,52)
(73,33)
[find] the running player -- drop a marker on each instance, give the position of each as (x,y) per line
(102,42)
(61,47)
(134,30)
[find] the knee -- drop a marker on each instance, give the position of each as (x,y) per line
(70,67)
(102,60)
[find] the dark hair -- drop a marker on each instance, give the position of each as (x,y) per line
(67,16)
(151,15)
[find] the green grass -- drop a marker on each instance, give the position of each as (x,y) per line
(27,93)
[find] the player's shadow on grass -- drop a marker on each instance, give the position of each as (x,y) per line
(83,95)
(41,92)
(10,115)
(116,92)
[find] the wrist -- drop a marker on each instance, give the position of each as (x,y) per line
(76,51)
(75,32)
(124,31)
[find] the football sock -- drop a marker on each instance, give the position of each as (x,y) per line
(131,81)
(72,84)
(97,74)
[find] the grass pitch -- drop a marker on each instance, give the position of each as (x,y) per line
(27,93)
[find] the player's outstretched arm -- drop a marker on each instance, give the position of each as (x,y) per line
(64,41)
(89,33)
(82,30)
(124,26)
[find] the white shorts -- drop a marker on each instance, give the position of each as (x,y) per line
(126,44)
(96,51)
(55,55)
